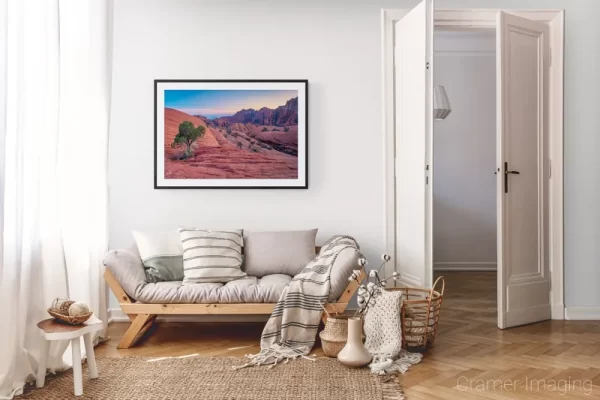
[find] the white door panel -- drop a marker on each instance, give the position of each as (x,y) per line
(413,57)
(523,263)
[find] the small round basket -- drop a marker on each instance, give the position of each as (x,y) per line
(71,320)
(335,335)
(420,314)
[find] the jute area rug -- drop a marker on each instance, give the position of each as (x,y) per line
(208,378)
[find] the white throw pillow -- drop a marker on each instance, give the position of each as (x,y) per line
(161,254)
(211,255)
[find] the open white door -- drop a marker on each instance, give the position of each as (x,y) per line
(413,69)
(523,170)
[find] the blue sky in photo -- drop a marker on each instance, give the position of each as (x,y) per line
(220,103)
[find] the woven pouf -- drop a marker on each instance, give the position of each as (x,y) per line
(335,335)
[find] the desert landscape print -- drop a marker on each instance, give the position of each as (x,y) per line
(249,134)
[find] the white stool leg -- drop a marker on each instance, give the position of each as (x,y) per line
(91,358)
(40,379)
(77,378)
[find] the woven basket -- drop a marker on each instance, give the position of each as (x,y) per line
(420,314)
(335,334)
(71,320)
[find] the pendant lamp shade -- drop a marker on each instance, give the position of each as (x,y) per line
(441,104)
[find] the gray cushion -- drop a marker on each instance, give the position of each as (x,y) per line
(285,252)
(126,265)
(345,263)
(246,290)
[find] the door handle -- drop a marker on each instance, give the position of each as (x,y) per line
(506,172)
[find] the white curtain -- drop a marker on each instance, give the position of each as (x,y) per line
(54,118)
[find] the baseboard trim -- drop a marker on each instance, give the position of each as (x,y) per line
(408,280)
(465,266)
(558,311)
(582,313)
(117,315)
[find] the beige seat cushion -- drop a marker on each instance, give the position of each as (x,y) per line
(246,290)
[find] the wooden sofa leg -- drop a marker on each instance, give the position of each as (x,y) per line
(138,327)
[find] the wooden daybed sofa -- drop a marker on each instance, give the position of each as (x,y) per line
(125,276)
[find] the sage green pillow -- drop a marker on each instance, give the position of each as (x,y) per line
(162,255)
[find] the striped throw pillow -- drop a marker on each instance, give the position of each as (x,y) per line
(211,255)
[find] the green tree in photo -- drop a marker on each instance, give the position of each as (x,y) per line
(187,136)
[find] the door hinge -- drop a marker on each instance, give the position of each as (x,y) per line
(427,65)
(427,174)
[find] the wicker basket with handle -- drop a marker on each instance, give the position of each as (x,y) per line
(60,310)
(69,319)
(420,314)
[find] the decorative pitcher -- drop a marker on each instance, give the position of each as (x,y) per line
(354,354)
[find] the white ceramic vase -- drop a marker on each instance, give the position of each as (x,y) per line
(354,354)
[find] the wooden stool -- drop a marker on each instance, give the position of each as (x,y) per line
(54,330)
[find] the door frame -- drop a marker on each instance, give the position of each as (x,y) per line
(485,18)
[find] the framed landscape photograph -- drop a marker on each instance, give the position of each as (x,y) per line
(230,134)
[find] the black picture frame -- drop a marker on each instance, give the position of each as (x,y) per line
(304,183)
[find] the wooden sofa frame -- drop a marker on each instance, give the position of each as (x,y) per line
(143,315)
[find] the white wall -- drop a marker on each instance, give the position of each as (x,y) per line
(336,45)
(464,191)
(335,48)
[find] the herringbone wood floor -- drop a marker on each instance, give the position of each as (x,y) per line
(471,359)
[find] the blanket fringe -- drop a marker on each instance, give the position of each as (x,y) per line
(274,355)
(392,390)
(385,364)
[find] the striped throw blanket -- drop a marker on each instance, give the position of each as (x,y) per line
(290,332)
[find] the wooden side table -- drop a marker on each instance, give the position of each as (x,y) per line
(54,330)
